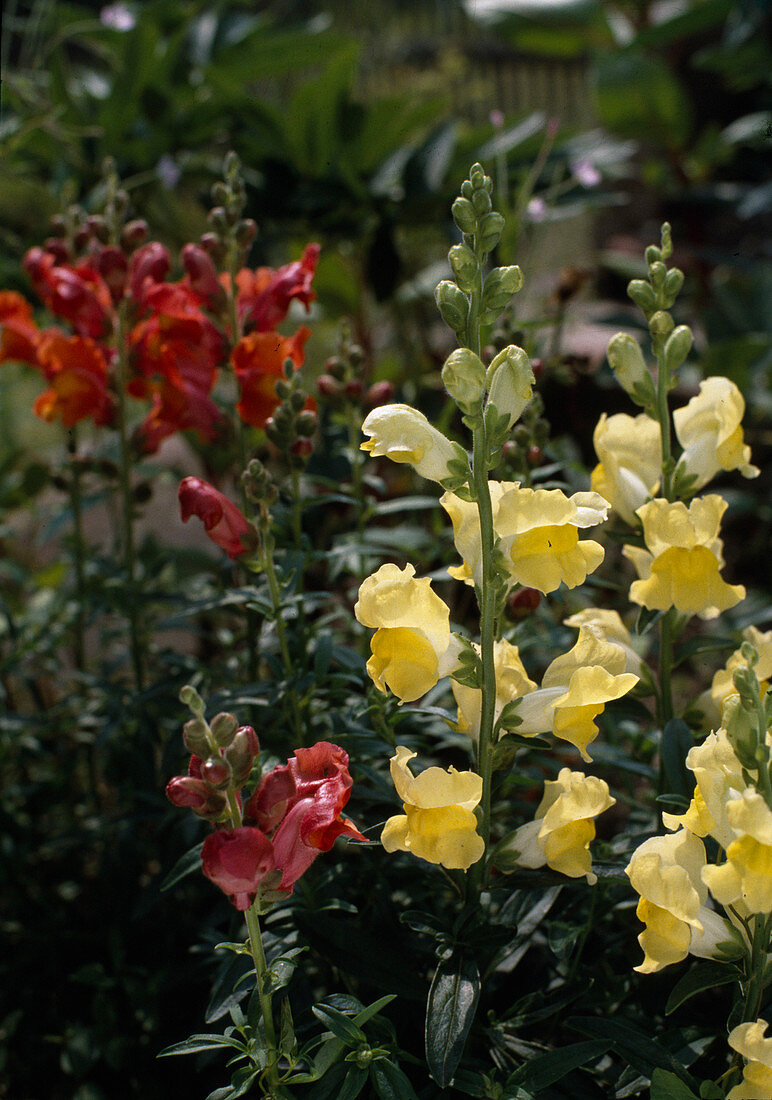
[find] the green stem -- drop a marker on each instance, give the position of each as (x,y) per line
(127,503)
(754,989)
(663,416)
(281,633)
(76,507)
(261,969)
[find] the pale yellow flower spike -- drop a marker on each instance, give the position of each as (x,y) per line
(439,824)
(749,1040)
(680,567)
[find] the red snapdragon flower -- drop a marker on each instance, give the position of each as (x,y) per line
(302,800)
(76,292)
(237,860)
(264,296)
(19,335)
(76,370)
(225,524)
(258,360)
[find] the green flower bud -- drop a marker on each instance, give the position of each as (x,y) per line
(195,739)
(653,254)
(223,727)
(464,215)
(490,230)
(190,698)
(481,201)
(510,382)
(657,273)
(477,176)
(642,294)
(464,265)
(627,362)
(678,346)
(500,285)
(674,280)
(466,189)
(464,378)
(739,722)
(661,324)
(452,304)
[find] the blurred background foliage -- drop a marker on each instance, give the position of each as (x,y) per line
(354,122)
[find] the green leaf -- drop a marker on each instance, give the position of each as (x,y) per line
(339,1025)
(389,1081)
(367,1013)
(544,1070)
(705,975)
(666,1086)
(184,866)
(196,1043)
(353,1083)
(702,644)
(450,1012)
(643,1054)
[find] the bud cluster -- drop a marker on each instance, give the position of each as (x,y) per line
(747,718)
(292,426)
(222,756)
(342,385)
(655,297)
(230,235)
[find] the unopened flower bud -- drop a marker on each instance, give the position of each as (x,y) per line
(201,272)
(510,382)
(643,295)
(306,423)
(627,362)
(464,265)
(534,456)
(380,393)
(354,389)
(327,386)
(477,176)
(246,231)
(657,273)
(678,346)
(297,400)
(336,367)
(194,737)
(463,376)
(490,230)
(113,265)
(223,727)
(464,215)
(218,219)
(302,448)
(653,254)
(661,324)
(522,603)
(452,304)
(186,791)
(674,280)
(500,284)
(97,227)
(738,720)
(217,772)
(241,754)
(134,234)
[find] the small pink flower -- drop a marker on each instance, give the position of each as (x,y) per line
(585,173)
(223,522)
(237,860)
(536,210)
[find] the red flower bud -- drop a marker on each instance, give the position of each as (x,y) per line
(380,393)
(223,522)
(237,860)
(523,603)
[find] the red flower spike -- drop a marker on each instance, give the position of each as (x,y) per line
(258,360)
(223,522)
(264,296)
(76,371)
(237,860)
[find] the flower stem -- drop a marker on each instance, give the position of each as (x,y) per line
(261,969)
(127,504)
(275,593)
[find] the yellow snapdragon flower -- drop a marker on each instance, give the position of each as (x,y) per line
(404,434)
(512,682)
(560,834)
(608,625)
(537,531)
(720,781)
(667,873)
(438,824)
(629,462)
(749,1040)
(709,428)
(575,689)
(412,647)
(680,567)
(747,873)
